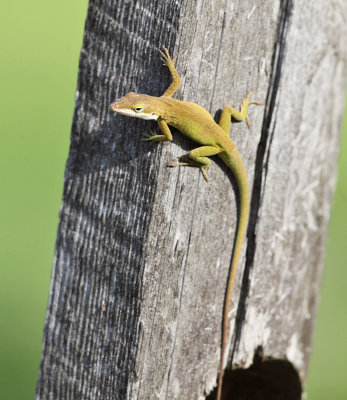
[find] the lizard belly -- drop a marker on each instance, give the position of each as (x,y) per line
(200,134)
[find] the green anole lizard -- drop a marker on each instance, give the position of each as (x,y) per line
(196,123)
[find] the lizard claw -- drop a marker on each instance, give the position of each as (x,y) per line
(148,137)
(153,138)
(244,106)
(165,57)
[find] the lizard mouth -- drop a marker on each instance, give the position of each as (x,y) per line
(130,113)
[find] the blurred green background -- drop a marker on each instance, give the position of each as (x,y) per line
(40,45)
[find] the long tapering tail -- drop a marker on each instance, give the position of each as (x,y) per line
(235,163)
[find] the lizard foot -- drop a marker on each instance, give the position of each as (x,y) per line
(189,163)
(153,138)
(244,106)
(165,57)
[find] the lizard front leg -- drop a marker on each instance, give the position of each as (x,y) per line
(167,137)
(170,63)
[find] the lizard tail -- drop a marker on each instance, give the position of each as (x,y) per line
(234,162)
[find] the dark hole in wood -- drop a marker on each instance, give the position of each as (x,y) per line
(263,380)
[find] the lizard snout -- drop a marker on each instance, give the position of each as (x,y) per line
(114,106)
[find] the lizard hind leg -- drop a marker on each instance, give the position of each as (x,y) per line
(199,158)
(230,112)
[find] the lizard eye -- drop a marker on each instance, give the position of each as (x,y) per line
(138,109)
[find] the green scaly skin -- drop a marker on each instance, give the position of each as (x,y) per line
(196,123)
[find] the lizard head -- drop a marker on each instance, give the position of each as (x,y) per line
(135,105)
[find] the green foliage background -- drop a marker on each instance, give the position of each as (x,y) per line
(40,45)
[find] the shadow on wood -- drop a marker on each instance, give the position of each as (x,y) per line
(263,380)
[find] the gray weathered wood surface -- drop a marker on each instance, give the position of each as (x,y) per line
(143,251)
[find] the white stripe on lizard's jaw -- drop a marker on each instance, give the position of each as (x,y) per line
(131,113)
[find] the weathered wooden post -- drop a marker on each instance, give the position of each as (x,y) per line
(143,251)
